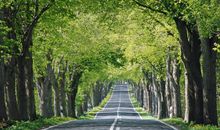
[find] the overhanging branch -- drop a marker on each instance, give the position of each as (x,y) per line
(149,7)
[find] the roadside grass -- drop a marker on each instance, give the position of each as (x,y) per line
(91,114)
(38,123)
(143,113)
(41,122)
(177,122)
(181,125)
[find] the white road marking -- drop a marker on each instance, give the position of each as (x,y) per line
(118,116)
(133,107)
(113,125)
(167,124)
(117,128)
(155,120)
(104,106)
(56,125)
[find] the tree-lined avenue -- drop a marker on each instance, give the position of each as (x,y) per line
(118,114)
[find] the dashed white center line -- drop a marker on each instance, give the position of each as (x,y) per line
(117,128)
(119,104)
(113,125)
(118,115)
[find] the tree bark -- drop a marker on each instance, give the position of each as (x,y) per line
(190,47)
(195,68)
(56,89)
(10,67)
(149,99)
(160,94)
(3,115)
(62,83)
(21,90)
(13,112)
(97,93)
(69,105)
(154,100)
(85,103)
(176,89)
(167,86)
(74,89)
(157,100)
(209,80)
(141,95)
(45,93)
(80,110)
(30,85)
(189,99)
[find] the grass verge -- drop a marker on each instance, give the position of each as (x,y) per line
(181,125)
(177,122)
(143,113)
(38,123)
(91,114)
(41,122)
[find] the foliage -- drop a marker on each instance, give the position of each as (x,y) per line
(108,40)
(39,123)
(91,114)
(179,123)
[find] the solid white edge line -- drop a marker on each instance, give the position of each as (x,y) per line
(104,106)
(154,119)
(74,120)
(166,124)
(57,125)
(133,105)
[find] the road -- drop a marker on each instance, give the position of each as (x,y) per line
(118,114)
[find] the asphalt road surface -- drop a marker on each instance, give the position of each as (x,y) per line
(118,114)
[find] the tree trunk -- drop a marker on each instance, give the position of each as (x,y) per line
(85,103)
(141,95)
(69,105)
(80,110)
(189,99)
(54,82)
(167,86)
(30,85)
(21,90)
(160,94)
(176,89)
(97,93)
(209,80)
(74,89)
(154,100)
(63,94)
(3,115)
(149,99)
(45,93)
(11,93)
(195,68)
(158,107)
(163,100)
(10,68)
(190,47)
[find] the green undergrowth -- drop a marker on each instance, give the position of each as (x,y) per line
(38,123)
(143,113)
(177,122)
(181,125)
(91,114)
(46,122)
